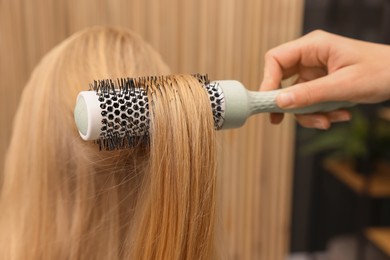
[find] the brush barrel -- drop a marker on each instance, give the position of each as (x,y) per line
(118,116)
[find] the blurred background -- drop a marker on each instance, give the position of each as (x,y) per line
(341,194)
(284,192)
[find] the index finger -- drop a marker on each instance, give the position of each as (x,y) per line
(284,61)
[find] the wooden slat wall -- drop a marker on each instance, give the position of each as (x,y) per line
(226,39)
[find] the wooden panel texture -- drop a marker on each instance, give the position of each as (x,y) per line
(226,39)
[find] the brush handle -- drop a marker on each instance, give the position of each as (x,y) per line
(239,104)
(265,102)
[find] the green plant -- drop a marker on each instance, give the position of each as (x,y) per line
(362,137)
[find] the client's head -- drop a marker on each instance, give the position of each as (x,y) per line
(62,198)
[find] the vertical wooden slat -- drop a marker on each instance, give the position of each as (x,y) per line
(226,39)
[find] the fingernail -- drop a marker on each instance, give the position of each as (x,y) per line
(285,100)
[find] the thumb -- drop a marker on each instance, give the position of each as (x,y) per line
(323,89)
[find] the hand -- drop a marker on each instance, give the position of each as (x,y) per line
(329,68)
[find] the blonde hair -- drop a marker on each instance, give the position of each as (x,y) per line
(62,198)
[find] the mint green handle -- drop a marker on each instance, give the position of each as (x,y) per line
(239,104)
(265,101)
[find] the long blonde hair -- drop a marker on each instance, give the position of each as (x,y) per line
(62,198)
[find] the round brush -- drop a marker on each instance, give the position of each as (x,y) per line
(116,113)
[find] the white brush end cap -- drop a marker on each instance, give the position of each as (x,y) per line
(87,115)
